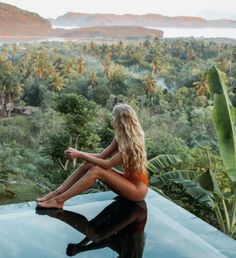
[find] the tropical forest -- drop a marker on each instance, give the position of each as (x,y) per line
(60,94)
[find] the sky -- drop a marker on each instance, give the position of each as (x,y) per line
(55,8)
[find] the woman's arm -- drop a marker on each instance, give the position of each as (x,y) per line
(111,149)
(104,163)
(107,152)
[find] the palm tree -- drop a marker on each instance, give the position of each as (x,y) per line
(222,64)
(202,89)
(93,81)
(190,55)
(116,80)
(154,65)
(80,66)
(149,85)
(24,66)
(232,59)
(106,65)
(14,51)
(13,92)
(39,65)
(57,83)
(68,66)
(94,49)
(10,88)
(147,43)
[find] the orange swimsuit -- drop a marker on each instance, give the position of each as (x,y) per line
(138,177)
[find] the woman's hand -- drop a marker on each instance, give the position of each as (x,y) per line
(72,153)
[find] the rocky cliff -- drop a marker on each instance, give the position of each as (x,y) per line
(14,22)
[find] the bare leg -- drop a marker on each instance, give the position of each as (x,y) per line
(120,185)
(77,174)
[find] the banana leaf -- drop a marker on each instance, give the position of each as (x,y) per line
(208,182)
(224,119)
(164,179)
(162,162)
(195,191)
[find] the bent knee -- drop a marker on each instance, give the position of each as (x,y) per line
(94,172)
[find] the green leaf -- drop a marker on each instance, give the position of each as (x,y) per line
(168,177)
(223,118)
(162,162)
(195,191)
(208,182)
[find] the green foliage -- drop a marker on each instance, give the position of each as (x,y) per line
(181,186)
(79,114)
(224,119)
(34,92)
(173,176)
(162,162)
(21,192)
(106,133)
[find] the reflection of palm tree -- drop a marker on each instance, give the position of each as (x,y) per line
(120,226)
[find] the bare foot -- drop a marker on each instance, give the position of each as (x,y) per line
(52,203)
(47,197)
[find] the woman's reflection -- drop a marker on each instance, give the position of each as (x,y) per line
(119,226)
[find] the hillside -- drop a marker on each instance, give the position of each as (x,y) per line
(110,32)
(14,21)
(17,23)
(148,20)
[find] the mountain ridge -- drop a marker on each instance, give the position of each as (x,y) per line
(146,20)
(18,23)
(117,32)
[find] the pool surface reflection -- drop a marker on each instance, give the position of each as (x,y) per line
(99,225)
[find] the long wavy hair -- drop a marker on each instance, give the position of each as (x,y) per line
(130,139)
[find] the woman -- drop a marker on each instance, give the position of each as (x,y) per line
(127,149)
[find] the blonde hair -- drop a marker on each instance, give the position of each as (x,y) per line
(130,139)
